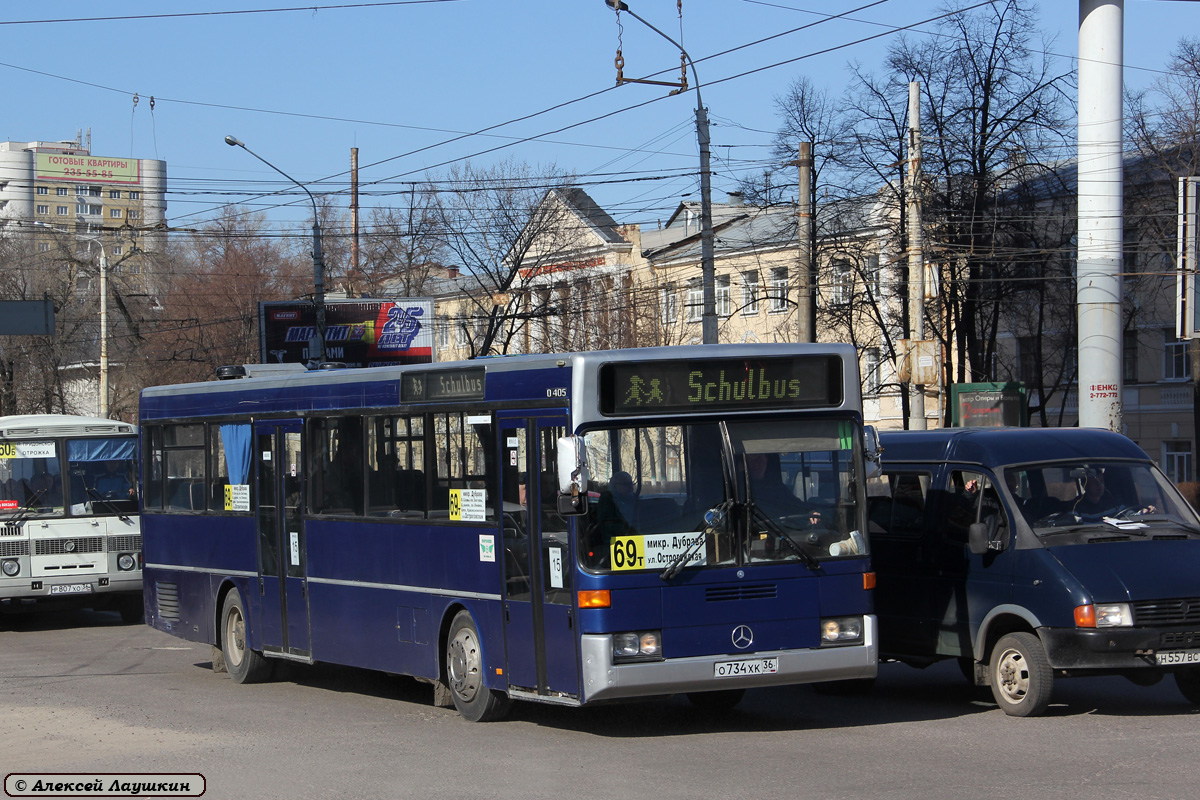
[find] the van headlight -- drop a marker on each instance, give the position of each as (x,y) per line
(126,562)
(11,567)
(841,630)
(1114,615)
(1104,615)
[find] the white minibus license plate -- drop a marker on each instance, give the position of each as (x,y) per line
(1169,657)
(754,666)
(71,588)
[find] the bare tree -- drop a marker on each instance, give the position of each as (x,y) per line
(210,299)
(515,236)
(404,247)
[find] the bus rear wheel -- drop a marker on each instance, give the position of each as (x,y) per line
(465,673)
(244,665)
(1021,676)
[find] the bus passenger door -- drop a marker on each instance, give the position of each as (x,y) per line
(540,629)
(283,575)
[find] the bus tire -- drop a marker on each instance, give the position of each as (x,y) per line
(1021,676)
(465,673)
(720,700)
(1188,681)
(244,665)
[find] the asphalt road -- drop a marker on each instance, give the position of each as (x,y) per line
(81,692)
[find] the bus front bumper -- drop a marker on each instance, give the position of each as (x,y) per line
(604,680)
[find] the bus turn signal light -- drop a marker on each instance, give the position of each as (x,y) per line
(868,580)
(594,598)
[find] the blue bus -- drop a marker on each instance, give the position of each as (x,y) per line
(562,529)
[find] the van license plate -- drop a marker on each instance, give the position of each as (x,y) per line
(754,666)
(1170,657)
(71,588)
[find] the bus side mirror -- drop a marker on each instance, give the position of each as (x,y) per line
(572,476)
(872,451)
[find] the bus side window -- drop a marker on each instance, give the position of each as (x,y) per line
(337,465)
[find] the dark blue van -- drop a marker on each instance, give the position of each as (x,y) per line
(1031,554)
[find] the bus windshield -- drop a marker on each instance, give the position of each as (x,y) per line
(95,478)
(721,493)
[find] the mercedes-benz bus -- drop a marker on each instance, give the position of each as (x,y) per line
(460,522)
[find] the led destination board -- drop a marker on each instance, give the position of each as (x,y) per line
(734,384)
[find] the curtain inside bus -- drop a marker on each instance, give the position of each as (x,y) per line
(236,440)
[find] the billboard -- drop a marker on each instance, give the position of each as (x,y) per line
(358,333)
(989,405)
(87,169)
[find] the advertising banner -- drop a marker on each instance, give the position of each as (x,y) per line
(358,333)
(87,169)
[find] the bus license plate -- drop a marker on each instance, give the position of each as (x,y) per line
(71,588)
(754,666)
(1170,657)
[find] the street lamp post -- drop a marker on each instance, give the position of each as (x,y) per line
(317,344)
(102,398)
(708,325)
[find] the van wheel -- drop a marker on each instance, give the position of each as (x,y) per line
(244,665)
(464,674)
(1021,676)
(720,700)
(1188,681)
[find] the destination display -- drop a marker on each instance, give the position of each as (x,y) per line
(733,384)
(430,387)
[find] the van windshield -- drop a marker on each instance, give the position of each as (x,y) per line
(1119,495)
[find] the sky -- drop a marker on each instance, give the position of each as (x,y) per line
(420,85)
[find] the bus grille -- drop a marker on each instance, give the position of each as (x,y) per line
(168,599)
(758,591)
(58,547)
(13,549)
(10,530)
(1183,611)
(125,543)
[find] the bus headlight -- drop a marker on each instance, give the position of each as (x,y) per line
(841,630)
(11,567)
(1107,615)
(126,562)
(637,646)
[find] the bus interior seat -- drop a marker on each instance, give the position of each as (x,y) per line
(188,495)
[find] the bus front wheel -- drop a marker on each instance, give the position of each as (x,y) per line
(244,665)
(464,673)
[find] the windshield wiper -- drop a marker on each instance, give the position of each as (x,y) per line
(777,529)
(121,515)
(719,513)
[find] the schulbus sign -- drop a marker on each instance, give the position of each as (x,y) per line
(359,333)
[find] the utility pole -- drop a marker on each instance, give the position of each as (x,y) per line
(354,220)
(708,324)
(916,259)
(1101,203)
(806,306)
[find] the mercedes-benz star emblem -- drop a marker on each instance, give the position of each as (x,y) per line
(743,637)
